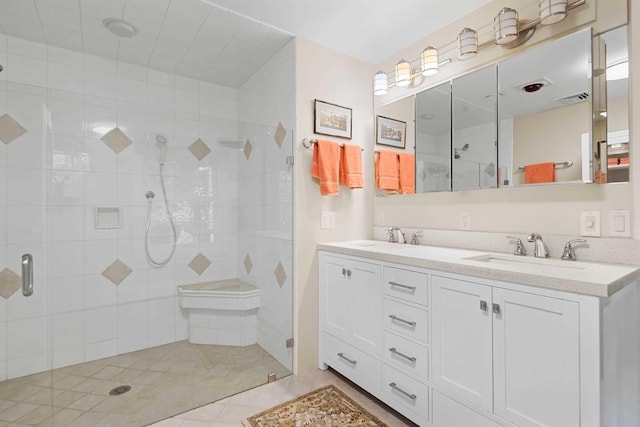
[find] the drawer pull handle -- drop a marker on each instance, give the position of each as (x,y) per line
(342,356)
(409,358)
(496,308)
(400,285)
(401,391)
(408,322)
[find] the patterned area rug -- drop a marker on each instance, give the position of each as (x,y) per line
(325,407)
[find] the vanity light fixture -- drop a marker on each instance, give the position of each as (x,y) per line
(380,83)
(429,59)
(403,73)
(505,26)
(552,11)
(467,44)
(509,32)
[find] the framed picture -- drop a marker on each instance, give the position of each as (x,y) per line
(331,119)
(390,132)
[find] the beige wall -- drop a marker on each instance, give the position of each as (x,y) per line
(332,77)
(547,210)
(551,136)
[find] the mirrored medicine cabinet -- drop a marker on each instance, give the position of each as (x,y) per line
(561,102)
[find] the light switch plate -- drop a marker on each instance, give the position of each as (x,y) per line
(590,223)
(619,223)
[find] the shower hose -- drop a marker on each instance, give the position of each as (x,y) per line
(150,195)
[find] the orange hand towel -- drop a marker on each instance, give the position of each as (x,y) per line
(325,166)
(540,172)
(387,175)
(351,166)
(407,173)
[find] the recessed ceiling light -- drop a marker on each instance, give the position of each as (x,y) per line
(119,27)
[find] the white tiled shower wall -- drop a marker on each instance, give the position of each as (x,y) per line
(53,177)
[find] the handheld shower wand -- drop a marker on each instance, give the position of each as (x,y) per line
(161,144)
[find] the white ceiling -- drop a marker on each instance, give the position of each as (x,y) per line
(226,41)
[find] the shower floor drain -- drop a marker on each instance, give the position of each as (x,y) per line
(120,390)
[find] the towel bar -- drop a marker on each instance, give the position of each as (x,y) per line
(308,143)
(558,165)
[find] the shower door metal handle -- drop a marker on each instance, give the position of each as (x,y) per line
(27,275)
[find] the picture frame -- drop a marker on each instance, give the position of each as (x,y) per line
(331,119)
(391,132)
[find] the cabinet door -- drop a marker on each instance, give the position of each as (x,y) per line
(365,306)
(351,302)
(461,339)
(536,357)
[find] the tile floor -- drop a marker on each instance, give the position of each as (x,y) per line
(231,411)
(165,380)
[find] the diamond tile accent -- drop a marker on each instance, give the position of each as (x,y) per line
(199,264)
(247,149)
(116,140)
(281,134)
(10,129)
(9,283)
(117,272)
(280,274)
(248,265)
(199,149)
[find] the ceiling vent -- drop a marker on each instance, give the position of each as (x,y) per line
(573,99)
(119,27)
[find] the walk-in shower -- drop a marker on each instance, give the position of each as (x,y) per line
(113,179)
(161,145)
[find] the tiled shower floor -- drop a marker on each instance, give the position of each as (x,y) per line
(165,380)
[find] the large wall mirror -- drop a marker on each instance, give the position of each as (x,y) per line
(536,110)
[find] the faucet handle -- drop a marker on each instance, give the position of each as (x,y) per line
(414,237)
(392,238)
(520,249)
(569,254)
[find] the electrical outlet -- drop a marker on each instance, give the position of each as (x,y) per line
(464,221)
(379,218)
(590,223)
(328,219)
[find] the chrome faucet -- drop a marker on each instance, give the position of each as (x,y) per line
(415,237)
(539,248)
(569,254)
(396,235)
(520,249)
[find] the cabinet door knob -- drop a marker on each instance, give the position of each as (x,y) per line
(344,272)
(483,305)
(349,274)
(496,308)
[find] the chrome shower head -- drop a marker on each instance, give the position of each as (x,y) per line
(161,144)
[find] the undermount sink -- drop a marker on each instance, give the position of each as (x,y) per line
(536,263)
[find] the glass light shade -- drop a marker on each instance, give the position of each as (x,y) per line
(429,59)
(467,43)
(505,26)
(552,11)
(403,73)
(380,83)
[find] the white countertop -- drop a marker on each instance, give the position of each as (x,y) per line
(587,278)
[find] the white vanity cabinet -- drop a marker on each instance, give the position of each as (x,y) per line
(514,353)
(458,349)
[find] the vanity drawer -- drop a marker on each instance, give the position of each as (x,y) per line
(407,355)
(449,413)
(359,367)
(406,395)
(406,284)
(406,320)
